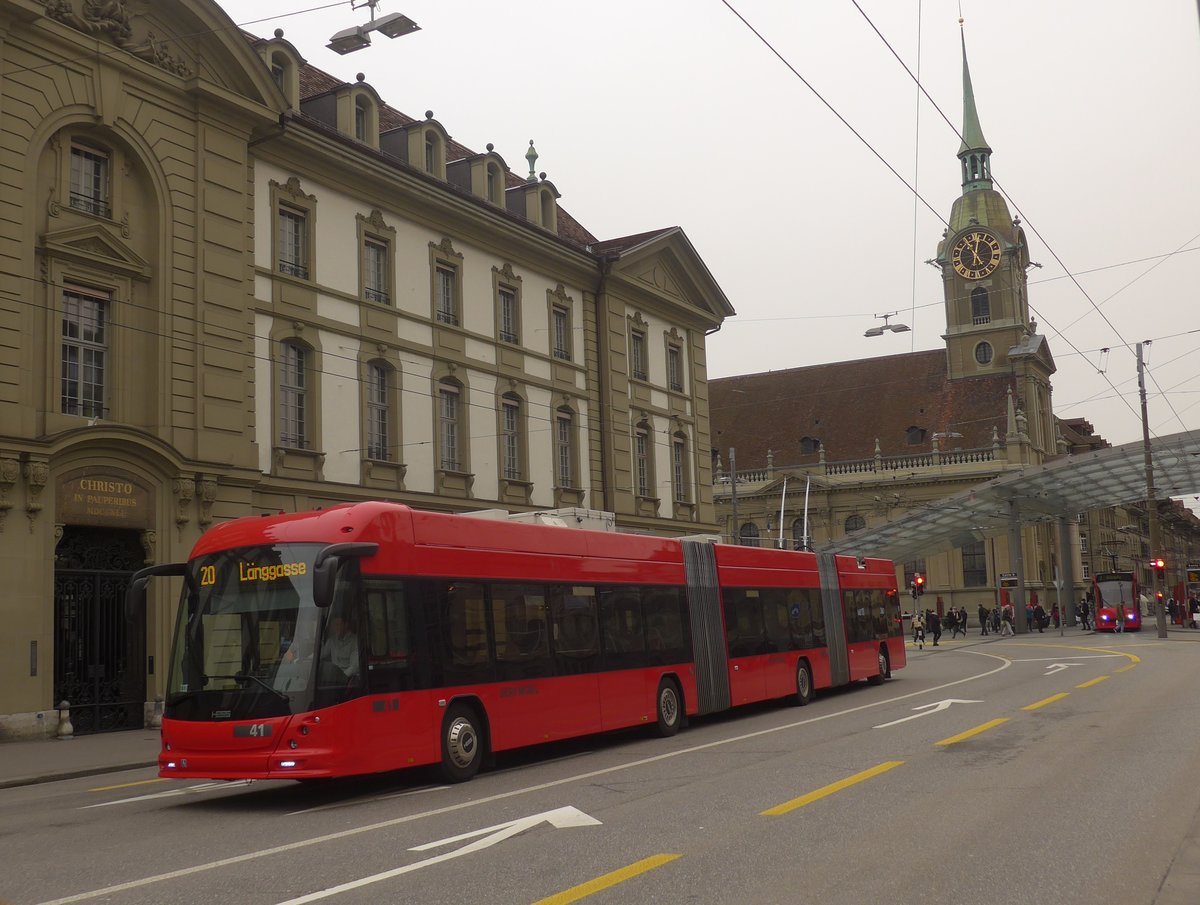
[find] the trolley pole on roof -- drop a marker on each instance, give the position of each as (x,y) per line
(1160,615)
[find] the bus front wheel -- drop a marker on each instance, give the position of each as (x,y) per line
(804,683)
(462,744)
(669,707)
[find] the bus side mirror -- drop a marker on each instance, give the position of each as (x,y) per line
(135,595)
(325,568)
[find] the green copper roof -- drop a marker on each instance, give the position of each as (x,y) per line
(972,134)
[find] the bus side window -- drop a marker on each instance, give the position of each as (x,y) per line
(775,620)
(668,636)
(574,631)
(522,637)
(390,659)
(621,619)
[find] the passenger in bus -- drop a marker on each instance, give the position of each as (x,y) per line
(341,647)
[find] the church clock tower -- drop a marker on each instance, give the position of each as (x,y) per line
(984,259)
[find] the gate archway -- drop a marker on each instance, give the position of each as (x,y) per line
(99,656)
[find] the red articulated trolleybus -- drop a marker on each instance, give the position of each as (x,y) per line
(1116,598)
(370,637)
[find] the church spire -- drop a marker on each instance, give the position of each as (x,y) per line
(974,151)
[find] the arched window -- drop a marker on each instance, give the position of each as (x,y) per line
(511,453)
(983,353)
(799,541)
(748,535)
(981,309)
(809,445)
(855,523)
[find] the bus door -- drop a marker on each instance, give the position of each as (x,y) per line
(835,622)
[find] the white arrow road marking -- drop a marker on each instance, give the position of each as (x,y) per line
(1058,667)
(171,793)
(560,818)
(937,707)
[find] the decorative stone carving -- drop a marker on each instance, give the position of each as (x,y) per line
(37,473)
(10,470)
(156,52)
(149,540)
(108,17)
(208,496)
(375,220)
(184,488)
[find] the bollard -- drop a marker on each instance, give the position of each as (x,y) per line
(156,717)
(65,729)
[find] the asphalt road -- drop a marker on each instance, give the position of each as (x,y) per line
(1062,771)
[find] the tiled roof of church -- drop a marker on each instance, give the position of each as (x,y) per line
(848,405)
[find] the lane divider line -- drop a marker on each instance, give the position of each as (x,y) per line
(800,802)
(1090,682)
(963,736)
(1049,700)
(607,881)
(129,785)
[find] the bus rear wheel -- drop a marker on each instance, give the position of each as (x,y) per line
(670,708)
(804,683)
(462,744)
(884,669)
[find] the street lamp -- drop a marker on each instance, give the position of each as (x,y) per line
(357,37)
(895,328)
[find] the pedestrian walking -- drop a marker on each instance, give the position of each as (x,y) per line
(935,626)
(984,618)
(918,629)
(1006,620)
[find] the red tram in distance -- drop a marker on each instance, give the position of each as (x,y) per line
(1116,599)
(369,637)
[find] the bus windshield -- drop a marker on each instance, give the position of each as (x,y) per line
(247,635)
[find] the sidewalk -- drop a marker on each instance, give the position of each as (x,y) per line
(46,760)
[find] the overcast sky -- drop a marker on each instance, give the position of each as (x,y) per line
(661,113)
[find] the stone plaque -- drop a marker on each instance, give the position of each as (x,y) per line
(106,497)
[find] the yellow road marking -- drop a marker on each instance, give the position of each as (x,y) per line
(963,736)
(583,890)
(829,789)
(1126,667)
(1049,700)
(128,785)
(1090,682)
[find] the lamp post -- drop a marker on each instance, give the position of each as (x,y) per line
(1160,616)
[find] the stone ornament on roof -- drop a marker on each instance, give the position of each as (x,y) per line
(111,18)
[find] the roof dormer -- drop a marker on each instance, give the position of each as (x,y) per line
(536,199)
(358,112)
(483,175)
(284,61)
(427,142)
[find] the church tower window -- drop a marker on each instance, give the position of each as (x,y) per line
(984,353)
(981,311)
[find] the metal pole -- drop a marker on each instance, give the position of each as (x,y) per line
(782,505)
(1016,555)
(1160,615)
(736,538)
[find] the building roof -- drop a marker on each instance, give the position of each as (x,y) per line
(849,405)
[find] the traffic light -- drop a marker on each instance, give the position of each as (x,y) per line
(1160,566)
(918,585)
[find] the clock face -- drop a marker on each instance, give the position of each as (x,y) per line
(975,255)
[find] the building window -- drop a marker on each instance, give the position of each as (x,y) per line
(375,271)
(1087,571)
(293,242)
(449,413)
(983,353)
(981,310)
(679,470)
(855,523)
(1083,542)
(799,540)
(562,333)
(447,300)
(809,445)
(748,535)
(379,414)
(974,565)
(637,355)
(84,353)
(360,118)
(642,451)
(510,438)
(294,364)
(915,436)
(675,369)
(90,189)
(564,455)
(912,569)
(509,332)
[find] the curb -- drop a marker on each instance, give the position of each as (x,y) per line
(72,774)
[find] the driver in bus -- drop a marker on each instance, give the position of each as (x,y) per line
(341,647)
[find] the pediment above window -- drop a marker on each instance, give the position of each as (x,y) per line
(95,245)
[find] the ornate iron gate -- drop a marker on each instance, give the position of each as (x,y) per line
(99,656)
